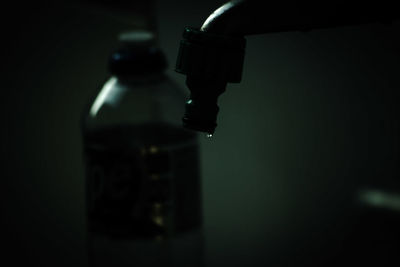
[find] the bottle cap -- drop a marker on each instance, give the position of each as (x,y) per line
(137,54)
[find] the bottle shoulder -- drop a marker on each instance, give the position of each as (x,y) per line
(135,100)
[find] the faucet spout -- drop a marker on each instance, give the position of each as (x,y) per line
(213,55)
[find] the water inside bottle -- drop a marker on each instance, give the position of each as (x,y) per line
(143,195)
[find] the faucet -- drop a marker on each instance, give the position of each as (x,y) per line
(212,56)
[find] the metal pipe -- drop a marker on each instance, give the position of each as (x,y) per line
(247,17)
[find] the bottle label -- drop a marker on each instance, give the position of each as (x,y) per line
(142,182)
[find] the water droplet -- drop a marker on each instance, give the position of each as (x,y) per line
(208,135)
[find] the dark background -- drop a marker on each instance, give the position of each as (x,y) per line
(313,121)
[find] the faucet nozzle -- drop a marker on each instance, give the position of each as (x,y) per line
(210,61)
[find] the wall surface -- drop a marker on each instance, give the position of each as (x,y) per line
(312,123)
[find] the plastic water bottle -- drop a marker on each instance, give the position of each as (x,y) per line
(143,187)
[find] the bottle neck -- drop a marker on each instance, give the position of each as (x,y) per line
(141,78)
